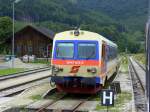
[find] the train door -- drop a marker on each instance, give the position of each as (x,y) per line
(104,60)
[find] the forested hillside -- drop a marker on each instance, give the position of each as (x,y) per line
(127,12)
(122,21)
(132,13)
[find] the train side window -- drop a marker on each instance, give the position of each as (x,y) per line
(103,51)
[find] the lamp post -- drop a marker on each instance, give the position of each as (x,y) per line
(13,43)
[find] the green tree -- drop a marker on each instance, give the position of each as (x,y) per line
(5,32)
(5,28)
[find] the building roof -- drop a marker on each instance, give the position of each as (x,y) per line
(46,32)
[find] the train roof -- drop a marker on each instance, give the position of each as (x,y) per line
(89,36)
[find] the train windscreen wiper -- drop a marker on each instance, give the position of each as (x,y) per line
(60,54)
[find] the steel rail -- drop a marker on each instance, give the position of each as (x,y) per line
(20,74)
(19,88)
(135,71)
(72,110)
(80,104)
(140,65)
(45,106)
(25,71)
(138,89)
(10,87)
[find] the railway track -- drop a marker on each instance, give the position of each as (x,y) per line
(139,72)
(79,105)
(20,88)
(20,74)
(43,108)
(142,66)
(18,83)
(61,104)
(138,80)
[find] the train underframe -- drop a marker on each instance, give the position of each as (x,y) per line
(77,84)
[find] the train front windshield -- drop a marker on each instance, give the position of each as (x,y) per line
(65,50)
(71,50)
(86,51)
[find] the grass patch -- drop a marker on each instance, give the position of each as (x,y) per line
(10,71)
(36,97)
(56,96)
(140,57)
(121,99)
(124,64)
(41,61)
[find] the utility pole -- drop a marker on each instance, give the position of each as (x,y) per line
(147,62)
(13,38)
(148,58)
(13,51)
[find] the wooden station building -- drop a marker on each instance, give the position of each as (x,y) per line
(33,40)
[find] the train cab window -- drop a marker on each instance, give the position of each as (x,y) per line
(87,50)
(65,50)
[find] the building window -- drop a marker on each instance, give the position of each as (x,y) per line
(30,50)
(18,48)
(42,50)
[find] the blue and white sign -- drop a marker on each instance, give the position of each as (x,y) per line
(107,98)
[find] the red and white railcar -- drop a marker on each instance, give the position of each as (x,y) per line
(82,61)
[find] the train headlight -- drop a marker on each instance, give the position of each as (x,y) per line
(76,33)
(57,69)
(92,70)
